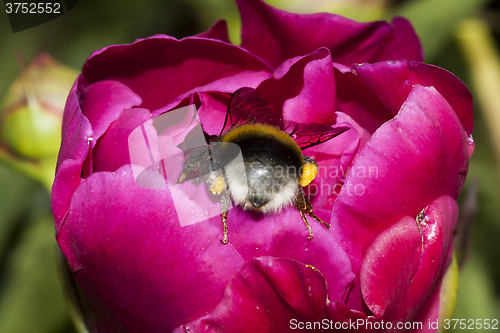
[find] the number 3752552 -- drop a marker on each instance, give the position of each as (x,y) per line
(32,8)
(471,324)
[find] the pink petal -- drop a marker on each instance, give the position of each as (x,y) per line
(393,81)
(65,183)
(305,92)
(75,146)
(334,159)
(364,135)
(347,319)
(392,260)
(276,35)
(104,101)
(316,101)
(76,130)
(429,311)
(112,150)
(212,111)
(430,159)
(423,150)
(217,31)
(130,255)
(266,296)
(160,68)
(396,275)
(358,101)
(225,85)
(285,235)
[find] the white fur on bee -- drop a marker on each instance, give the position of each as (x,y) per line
(236,177)
(283,195)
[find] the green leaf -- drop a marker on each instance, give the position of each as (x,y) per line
(476,293)
(32,298)
(15,191)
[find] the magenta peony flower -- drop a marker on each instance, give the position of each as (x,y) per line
(403,160)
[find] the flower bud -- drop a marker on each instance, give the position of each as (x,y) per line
(31,116)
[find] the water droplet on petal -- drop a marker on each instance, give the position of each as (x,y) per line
(470,148)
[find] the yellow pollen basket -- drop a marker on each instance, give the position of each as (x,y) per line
(309,172)
(218,185)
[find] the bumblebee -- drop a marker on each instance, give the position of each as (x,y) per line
(274,168)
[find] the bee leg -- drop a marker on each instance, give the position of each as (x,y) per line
(224,207)
(304,206)
(182,176)
(224,239)
(187,168)
(301,204)
(311,235)
(309,210)
(326,225)
(198,158)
